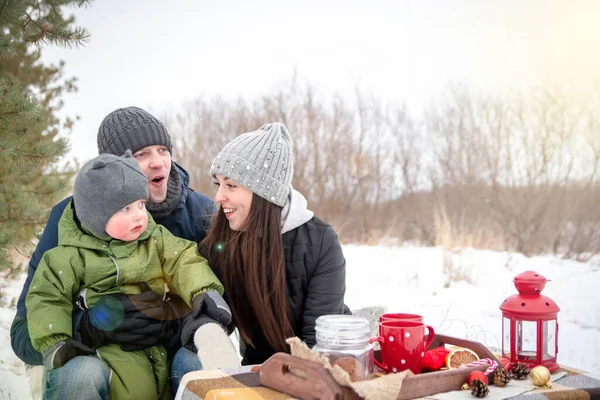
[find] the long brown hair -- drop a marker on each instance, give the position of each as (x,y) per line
(251,266)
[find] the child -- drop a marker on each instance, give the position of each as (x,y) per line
(109,245)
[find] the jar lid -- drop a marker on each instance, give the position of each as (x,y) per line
(339,330)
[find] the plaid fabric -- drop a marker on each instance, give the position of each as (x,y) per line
(243,383)
(239,383)
(575,386)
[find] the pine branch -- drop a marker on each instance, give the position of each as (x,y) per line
(5,47)
(62,35)
(12,10)
(84,3)
(31,181)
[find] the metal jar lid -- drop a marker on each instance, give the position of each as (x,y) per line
(342,330)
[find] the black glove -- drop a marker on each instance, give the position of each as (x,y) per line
(206,307)
(168,312)
(63,351)
(133,321)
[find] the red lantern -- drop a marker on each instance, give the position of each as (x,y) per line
(529,324)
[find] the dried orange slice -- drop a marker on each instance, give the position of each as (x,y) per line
(460,356)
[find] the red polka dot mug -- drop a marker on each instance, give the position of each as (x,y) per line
(403,344)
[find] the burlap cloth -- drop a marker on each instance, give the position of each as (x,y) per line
(386,387)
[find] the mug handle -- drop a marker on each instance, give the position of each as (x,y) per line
(380,365)
(430,336)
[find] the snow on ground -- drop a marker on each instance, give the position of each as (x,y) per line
(13,383)
(458,292)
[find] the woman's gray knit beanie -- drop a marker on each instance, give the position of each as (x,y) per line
(261,161)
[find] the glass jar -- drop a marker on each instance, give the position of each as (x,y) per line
(344,339)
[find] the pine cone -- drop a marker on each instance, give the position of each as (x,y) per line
(519,371)
(501,377)
(480,389)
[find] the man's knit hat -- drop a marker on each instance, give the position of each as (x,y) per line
(131,128)
(261,161)
(103,186)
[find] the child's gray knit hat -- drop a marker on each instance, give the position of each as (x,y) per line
(261,161)
(103,186)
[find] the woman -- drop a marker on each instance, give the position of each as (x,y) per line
(281,266)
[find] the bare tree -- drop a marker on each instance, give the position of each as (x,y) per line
(517,173)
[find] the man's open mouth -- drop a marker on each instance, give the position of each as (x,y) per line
(158,179)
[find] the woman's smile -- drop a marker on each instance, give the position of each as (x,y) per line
(235,201)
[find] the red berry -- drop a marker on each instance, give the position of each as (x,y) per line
(477,375)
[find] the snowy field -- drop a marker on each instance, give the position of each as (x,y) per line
(458,293)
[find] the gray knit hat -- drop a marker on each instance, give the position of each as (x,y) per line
(103,186)
(131,128)
(261,161)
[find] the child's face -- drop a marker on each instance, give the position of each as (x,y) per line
(234,199)
(128,223)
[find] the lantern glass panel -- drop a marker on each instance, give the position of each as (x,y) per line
(506,337)
(549,339)
(526,340)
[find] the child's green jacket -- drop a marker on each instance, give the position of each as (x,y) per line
(85,266)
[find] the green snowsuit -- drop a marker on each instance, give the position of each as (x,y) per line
(85,264)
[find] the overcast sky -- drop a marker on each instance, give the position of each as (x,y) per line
(158,54)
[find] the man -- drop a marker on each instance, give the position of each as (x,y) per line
(171,203)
